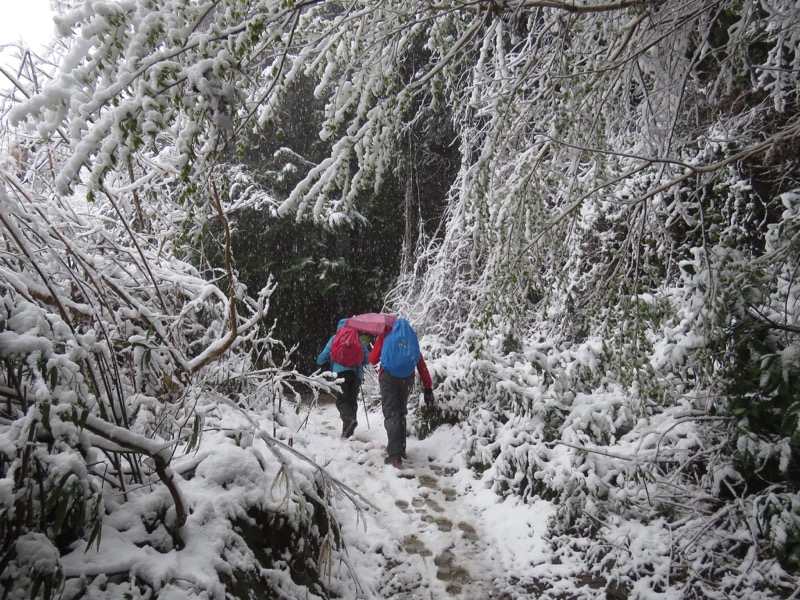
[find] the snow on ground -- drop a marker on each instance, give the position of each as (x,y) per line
(430,530)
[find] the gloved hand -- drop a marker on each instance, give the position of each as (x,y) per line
(428,394)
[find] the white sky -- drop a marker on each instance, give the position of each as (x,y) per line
(29,20)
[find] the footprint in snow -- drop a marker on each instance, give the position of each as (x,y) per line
(456,541)
(413,545)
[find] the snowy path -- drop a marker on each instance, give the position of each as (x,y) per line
(430,530)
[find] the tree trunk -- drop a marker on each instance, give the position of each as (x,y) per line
(410,215)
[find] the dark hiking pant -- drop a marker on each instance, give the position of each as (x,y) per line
(394,401)
(347,400)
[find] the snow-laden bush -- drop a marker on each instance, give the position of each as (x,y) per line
(612,300)
(119,359)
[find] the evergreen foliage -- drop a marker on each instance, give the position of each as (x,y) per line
(325,271)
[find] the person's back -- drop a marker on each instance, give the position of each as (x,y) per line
(399,355)
(347,355)
(347,349)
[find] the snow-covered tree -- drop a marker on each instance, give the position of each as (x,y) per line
(611,296)
(120,358)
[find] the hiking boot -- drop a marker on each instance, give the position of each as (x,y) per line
(348,428)
(395,461)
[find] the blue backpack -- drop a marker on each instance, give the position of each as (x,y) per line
(400,353)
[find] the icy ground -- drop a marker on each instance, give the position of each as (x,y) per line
(430,530)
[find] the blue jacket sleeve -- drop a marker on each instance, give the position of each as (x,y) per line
(325,355)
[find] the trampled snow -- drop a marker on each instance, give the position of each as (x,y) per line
(429,530)
(432,529)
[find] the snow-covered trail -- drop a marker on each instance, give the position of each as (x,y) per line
(430,530)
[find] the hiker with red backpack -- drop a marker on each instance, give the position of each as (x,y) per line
(398,352)
(347,355)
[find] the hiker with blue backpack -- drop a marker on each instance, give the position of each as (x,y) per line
(398,352)
(347,355)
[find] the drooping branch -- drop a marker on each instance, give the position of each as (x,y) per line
(219,347)
(499,6)
(124,440)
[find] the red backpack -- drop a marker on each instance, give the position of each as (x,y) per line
(346,348)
